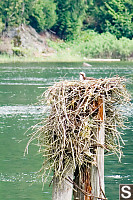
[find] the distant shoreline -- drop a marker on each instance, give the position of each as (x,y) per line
(13,59)
(24,44)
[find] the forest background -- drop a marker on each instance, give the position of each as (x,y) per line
(84,28)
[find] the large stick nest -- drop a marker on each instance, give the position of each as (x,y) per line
(69,134)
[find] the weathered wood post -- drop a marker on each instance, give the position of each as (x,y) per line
(97,171)
(82,185)
(92,177)
(63,190)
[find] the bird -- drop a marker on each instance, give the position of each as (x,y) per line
(83,77)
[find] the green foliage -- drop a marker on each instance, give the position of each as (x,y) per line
(1,25)
(115,16)
(121,18)
(70,17)
(43,15)
(112,18)
(95,15)
(106,45)
(18,51)
(93,45)
(40,14)
(14,12)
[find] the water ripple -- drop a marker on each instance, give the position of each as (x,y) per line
(21,177)
(23,109)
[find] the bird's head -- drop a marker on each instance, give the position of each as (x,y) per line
(82,76)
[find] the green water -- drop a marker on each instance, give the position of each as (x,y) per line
(20,85)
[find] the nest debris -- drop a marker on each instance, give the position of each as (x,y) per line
(69,133)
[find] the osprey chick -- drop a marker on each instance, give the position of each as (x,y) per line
(83,77)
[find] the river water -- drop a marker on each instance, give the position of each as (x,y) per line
(20,85)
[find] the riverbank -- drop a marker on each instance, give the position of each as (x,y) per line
(91,45)
(29,46)
(47,58)
(55,58)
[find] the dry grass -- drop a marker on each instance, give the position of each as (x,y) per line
(69,133)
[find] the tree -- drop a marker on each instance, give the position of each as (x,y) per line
(38,13)
(121,14)
(115,16)
(43,15)
(70,17)
(14,12)
(96,15)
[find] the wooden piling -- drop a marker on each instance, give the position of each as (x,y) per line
(82,185)
(92,177)
(63,190)
(97,171)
